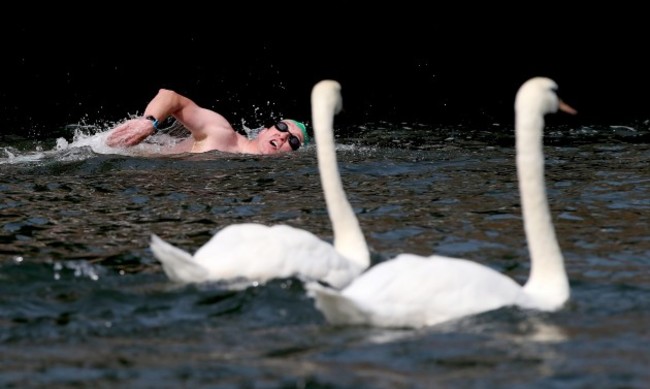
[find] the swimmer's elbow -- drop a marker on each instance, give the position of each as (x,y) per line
(163,91)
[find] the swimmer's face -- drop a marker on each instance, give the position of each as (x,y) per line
(281,137)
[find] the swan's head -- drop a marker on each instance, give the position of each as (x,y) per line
(539,94)
(328,92)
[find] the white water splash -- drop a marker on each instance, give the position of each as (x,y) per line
(87,141)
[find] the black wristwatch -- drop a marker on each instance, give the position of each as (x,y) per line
(154,121)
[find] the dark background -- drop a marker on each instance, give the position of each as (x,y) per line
(58,72)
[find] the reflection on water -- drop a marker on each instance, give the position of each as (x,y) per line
(83,301)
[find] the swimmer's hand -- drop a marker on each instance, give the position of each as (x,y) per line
(130,133)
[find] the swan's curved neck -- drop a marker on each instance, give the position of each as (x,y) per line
(547,263)
(349,240)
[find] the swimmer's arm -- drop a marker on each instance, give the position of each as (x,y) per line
(199,121)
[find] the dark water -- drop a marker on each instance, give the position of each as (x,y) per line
(83,303)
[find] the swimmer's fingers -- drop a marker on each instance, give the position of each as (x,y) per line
(130,133)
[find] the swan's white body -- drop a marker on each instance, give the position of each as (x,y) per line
(414,291)
(259,253)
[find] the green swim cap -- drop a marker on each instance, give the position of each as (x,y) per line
(303,128)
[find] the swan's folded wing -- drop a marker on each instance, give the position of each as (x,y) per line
(414,291)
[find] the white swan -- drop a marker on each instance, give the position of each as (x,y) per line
(258,253)
(414,291)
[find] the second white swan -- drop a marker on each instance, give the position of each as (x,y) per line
(414,291)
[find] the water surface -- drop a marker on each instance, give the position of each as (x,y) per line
(84,302)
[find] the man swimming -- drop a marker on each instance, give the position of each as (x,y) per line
(209,130)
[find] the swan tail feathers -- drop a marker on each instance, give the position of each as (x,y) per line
(177,264)
(337,308)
